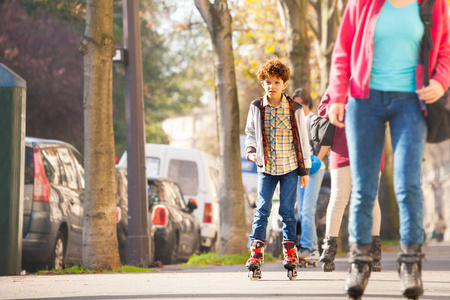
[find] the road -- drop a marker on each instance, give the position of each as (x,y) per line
(230,282)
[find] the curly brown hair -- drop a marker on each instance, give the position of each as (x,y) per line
(274,68)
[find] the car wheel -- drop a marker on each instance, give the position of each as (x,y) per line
(56,260)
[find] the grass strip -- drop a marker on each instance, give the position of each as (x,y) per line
(207,259)
(77,269)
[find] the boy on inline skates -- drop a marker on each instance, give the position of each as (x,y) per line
(277,141)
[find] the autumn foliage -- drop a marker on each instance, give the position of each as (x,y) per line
(43,49)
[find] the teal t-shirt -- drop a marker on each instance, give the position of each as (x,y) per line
(396,48)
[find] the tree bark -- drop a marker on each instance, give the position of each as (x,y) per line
(100,246)
(232,216)
(294,15)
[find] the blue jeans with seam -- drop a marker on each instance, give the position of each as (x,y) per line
(365,123)
(266,187)
(306,207)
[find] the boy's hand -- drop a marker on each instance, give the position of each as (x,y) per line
(304,181)
(251,156)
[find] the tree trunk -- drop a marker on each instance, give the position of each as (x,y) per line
(293,14)
(100,246)
(325,30)
(232,216)
(328,14)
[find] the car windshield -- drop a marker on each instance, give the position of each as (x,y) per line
(178,196)
(172,195)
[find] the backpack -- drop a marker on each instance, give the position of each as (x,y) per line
(437,114)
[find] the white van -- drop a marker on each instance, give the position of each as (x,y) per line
(197,174)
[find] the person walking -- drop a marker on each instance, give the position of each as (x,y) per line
(277,141)
(341,184)
(378,46)
(307,197)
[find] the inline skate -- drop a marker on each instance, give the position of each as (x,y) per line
(256,260)
(290,259)
(376,253)
(360,259)
(410,271)
(329,247)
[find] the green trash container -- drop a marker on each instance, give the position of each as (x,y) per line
(12,156)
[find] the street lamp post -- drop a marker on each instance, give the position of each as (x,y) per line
(138,242)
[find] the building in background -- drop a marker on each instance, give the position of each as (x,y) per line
(197,130)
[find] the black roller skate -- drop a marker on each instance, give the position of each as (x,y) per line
(256,260)
(376,253)
(410,271)
(329,247)
(290,259)
(360,260)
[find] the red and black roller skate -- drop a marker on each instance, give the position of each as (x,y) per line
(256,260)
(290,259)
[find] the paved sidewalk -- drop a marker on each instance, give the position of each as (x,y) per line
(230,282)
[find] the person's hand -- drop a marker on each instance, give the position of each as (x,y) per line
(336,114)
(252,157)
(304,181)
(432,92)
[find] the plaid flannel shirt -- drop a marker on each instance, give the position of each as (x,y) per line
(281,154)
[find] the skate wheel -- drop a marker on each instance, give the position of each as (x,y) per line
(252,276)
(315,264)
(413,298)
(327,267)
(306,264)
(291,275)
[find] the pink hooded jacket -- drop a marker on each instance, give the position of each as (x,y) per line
(351,61)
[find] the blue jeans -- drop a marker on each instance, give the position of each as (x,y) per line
(306,206)
(365,128)
(266,188)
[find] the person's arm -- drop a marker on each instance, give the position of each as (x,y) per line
(304,181)
(323,151)
(340,59)
(250,139)
(442,70)
(440,80)
(340,73)
(304,138)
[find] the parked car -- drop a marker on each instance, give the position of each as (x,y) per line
(122,212)
(196,173)
(52,204)
(174,230)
